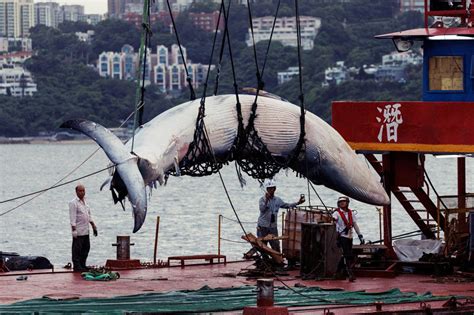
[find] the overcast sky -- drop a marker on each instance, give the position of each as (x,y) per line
(90,6)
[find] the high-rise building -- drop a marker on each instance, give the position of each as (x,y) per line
(16,17)
(46,13)
(207,21)
(116,8)
(176,5)
(285,30)
(73,13)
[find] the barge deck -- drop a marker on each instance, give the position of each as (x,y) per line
(63,285)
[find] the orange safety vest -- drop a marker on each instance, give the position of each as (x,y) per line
(348,223)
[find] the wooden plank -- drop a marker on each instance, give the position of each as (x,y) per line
(258,244)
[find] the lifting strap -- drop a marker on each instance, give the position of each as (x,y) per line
(200,159)
(300,76)
(249,151)
(252,155)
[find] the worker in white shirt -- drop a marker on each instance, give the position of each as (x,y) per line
(80,218)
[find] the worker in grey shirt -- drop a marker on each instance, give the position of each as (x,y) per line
(269,206)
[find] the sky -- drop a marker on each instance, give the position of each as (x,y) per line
(90,6)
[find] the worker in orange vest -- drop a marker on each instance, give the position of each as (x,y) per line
(345,224)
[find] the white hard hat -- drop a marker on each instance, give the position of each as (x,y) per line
(269,183)
(343,198)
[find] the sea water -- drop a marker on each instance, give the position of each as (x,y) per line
(188,207)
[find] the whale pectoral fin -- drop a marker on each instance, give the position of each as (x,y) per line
(126,165)
(105,183)
(133,180)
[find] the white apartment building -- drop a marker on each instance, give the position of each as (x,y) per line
(165,68)
(16,17)
(47,13)
(392,68)
(85,36)
(122,65)
(16,44)
(16,81)
(285,30)
(169,72)
(337,74)
(289,74)
(394,64)
(402,58)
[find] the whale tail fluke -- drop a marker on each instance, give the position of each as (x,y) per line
(128,180)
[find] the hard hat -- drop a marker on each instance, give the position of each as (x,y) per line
(269,183)
(343,198)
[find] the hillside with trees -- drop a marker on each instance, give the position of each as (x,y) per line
(68,87)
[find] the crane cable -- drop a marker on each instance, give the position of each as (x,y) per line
(56,185)
(260,82)
(235,211)
(183,57)
(221,54)
(142,69)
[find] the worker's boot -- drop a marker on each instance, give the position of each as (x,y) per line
(351,275)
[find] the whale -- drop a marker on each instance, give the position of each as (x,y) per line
(159,146)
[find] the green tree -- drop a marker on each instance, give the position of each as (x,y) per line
(68,88)
(112,34)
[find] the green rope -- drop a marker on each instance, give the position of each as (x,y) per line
(100,275)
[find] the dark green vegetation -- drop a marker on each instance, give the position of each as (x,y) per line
(68,88)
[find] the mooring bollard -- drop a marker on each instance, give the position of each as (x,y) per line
(123,260)
(123,247)
(265,301)
(265,292)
